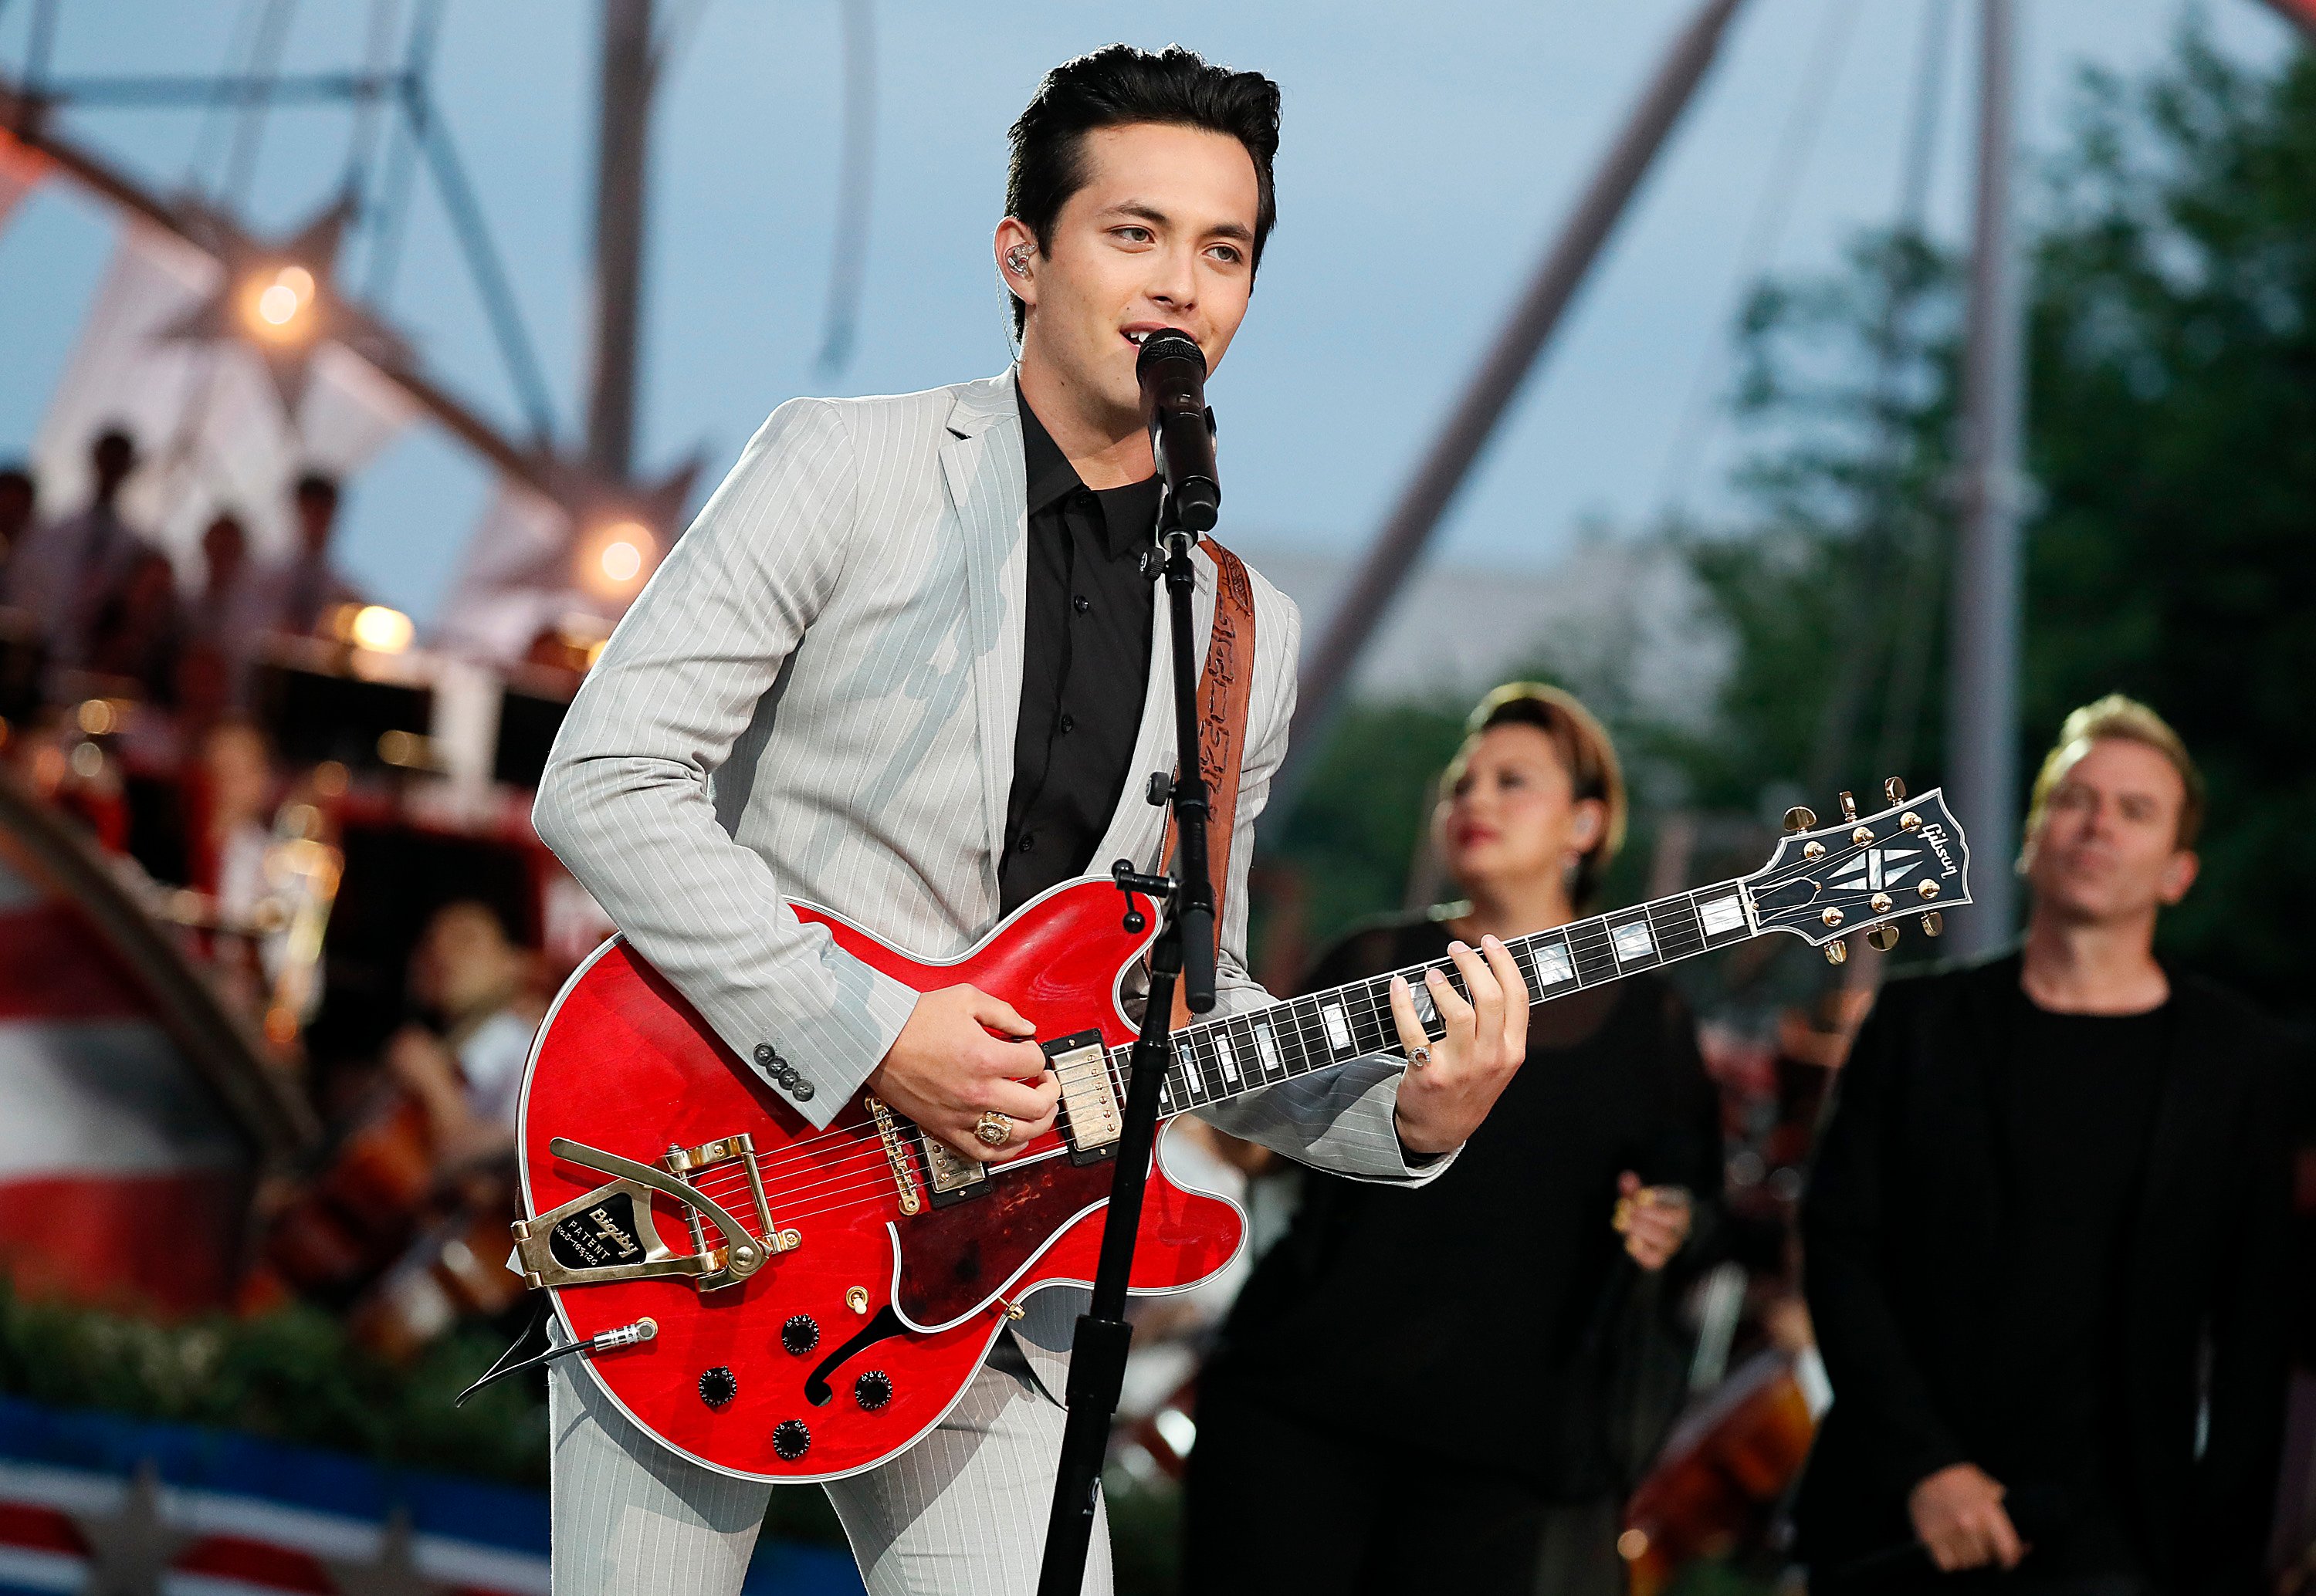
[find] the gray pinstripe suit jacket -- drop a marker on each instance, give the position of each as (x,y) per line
(814,697)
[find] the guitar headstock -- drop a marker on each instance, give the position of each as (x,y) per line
(1863,873)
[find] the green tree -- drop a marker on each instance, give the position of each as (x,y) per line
(2173,436)
(2170,539)
(2171,442)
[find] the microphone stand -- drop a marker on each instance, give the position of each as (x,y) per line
(1184,953)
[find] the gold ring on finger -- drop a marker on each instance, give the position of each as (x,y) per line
(993,1129)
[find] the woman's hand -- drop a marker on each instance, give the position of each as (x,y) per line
(1653,1221)
(1451,1083)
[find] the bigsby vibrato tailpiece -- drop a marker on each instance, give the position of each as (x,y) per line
(609,1234)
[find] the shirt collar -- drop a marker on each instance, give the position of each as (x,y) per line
(1129,514)
(1051,476)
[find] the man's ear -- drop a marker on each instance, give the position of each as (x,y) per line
(1014,241)
(2180,873)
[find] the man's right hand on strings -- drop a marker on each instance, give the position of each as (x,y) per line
(946,1070)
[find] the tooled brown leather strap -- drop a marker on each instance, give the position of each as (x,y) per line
(1225,686)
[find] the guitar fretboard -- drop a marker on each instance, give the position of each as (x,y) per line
(1217,1059)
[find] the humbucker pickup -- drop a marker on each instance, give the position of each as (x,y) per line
(1091,1119)
(954,1177)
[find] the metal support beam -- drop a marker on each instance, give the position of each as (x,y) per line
(23,115)
(1416,516)
(165,92)
(496,290)
(1982,678)
(621,151)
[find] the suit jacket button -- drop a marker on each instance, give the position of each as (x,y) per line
(765,1056)
(801,1091)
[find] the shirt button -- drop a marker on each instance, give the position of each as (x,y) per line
(1080,603)
(1069,724)
(1028,841)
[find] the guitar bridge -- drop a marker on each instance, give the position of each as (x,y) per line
(896,1155)
(611,1234)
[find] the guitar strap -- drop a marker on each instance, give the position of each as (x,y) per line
(1225,686)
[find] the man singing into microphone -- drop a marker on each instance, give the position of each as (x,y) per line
(908,662)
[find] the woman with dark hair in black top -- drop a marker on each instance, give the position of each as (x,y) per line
(1432,1374)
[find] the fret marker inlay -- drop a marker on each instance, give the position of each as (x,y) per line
(1553,964)
(1339,1029)
(1229,1057)
(1722,916)
(1632,942)
(1267,1047)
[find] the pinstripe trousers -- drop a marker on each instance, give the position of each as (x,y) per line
(960,1513)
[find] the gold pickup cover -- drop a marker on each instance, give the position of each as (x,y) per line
(1088,1098)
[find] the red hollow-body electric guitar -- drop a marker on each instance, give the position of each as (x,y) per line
(788,1303)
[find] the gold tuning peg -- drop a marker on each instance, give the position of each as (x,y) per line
(1849,807)
(1882,938)
(1837,951)
(1933,923)
(1894,790)
(1799,819)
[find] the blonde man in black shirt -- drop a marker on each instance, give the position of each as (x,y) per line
(2045,1235)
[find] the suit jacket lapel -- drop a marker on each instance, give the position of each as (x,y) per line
(988,490)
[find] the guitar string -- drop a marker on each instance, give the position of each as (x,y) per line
(835,1192)
(1379,1016)
(851,1171)
(1376,1011)
(839,1180)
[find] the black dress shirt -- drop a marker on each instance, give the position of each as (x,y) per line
(1085,666)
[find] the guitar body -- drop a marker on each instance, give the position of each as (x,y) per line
(894,1310)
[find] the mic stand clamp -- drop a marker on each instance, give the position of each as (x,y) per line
(1183,953)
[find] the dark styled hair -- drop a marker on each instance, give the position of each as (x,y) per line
(1119,84)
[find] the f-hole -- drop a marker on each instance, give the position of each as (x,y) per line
(886,1323)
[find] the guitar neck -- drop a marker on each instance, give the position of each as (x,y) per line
(1215,1061)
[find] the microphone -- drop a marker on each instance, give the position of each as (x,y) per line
(1172,370)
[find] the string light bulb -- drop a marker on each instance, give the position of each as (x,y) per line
(617,557)
(277,303)
(380,630)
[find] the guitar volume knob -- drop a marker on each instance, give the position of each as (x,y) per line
(791,1439)
(718,1386)
(800,1334)
(873,1389)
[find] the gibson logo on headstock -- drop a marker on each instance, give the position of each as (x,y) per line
(1935,836)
